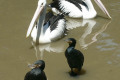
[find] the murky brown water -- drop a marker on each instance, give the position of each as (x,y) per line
(98,39)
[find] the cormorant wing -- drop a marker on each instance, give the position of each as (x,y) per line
(78,57)
(30,76)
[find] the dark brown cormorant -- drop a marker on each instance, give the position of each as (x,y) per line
(37,72)
(75,58)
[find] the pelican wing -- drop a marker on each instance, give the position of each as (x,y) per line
(48,16)
(76,3)
(54,21)
(47,21)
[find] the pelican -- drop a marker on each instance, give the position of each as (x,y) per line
(49,27)
(77,8)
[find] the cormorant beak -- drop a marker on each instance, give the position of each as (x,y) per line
(36,15)
(32,66)
(68,41)
(102,7)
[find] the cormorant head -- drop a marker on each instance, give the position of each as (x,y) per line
(71,41)
(38,64)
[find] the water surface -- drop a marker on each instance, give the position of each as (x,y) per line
(97,38)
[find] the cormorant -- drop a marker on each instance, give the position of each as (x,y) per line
(37,72)
(75,58)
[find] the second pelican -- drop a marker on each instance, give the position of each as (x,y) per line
(77,8)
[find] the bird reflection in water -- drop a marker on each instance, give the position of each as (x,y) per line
(55,47)
(89,26)
(88,32)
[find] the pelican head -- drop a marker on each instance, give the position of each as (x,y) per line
(40,8)
(102,7)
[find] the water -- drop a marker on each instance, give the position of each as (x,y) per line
(97,38)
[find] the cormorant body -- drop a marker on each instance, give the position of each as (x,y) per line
(75,58)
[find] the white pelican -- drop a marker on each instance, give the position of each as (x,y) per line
(48,28)
(77,8)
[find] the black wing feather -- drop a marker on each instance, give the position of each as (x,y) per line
(56,4)
(54,21)
(48,16)
(76,3)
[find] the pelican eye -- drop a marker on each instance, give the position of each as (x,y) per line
(41,4)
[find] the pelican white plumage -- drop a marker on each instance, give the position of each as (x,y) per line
(77,8)
(49,27)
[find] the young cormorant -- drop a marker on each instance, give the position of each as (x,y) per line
(37,72)
(75,58)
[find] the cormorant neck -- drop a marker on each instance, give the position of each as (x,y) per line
(36,71)
(42,68)
(72,45)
